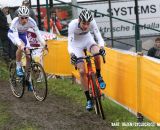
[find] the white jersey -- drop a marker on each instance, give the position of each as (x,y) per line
(77,37)
(16,28)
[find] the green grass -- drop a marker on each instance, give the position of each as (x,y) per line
(114,113)
(64,87)
(3,71)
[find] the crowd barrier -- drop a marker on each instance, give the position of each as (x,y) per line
(57,61)
(132,80)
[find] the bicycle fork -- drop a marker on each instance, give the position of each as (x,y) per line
(92,89)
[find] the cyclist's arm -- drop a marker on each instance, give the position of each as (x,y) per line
(16,37)
(70,38)
(14,31)
(97,33)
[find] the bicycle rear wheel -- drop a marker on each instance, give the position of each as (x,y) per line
(39,81)
(16,83)
(97,98)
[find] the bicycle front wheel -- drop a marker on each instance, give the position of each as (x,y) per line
(16,83)
(97,98)
(39,81)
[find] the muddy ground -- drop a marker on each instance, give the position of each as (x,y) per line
(55,113)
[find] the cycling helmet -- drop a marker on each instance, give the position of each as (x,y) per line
(25,2)
(85,16)
(23,11)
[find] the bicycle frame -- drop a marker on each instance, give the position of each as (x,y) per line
(30,55)
(90,71)
(93,84)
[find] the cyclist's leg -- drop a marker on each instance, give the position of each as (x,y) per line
(28,60)
(84,82)
(18,60)
(18,53)
(81,67)
(93,48)
(83,77)
(38,56)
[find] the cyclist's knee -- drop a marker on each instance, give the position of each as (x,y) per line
(82,72)
(19,51)
(81,68)
(94,49)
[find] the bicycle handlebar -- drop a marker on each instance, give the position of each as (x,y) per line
(33,48)
(90,56)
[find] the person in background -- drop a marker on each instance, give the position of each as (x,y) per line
(155,51)
(55,23)
(4,27)
(32,14)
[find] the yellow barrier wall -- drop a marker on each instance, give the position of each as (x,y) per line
(57,61)
(131,80)
(120,75)
(149,103)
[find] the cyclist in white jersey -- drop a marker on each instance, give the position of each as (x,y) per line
(79,37)
(18,35)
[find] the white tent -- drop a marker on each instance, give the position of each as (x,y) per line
(34,2)
(13,3)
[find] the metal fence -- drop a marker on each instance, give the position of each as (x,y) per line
(133,42)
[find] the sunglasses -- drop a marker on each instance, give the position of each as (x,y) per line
(24,17)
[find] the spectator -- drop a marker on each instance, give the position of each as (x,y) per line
(155,51)
(55,23)
(27,4)
(4,27)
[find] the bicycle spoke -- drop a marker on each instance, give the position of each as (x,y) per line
(39,82)
(16,83)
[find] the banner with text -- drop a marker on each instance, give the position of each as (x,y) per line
(149,15)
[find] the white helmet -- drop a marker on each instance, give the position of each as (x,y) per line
(23,11)
(86,16)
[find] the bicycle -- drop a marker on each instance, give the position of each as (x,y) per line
(34,74)
(93,85)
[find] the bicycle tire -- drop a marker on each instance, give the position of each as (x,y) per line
(40,88)
(97,98)
(90,84)
(16,83)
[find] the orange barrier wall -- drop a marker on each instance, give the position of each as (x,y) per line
(131,80)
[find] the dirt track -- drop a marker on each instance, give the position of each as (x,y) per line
(55,113)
